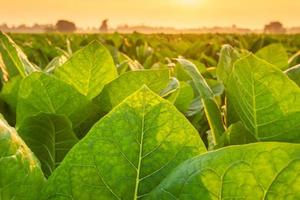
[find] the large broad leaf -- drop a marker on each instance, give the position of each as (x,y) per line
(275,54)
(127,153)
(294,74)
(21,177)
(116,91)
(15,60)
(50,137)
(256,171)
(41,93)
(211,108)
(89,69)
(265,99)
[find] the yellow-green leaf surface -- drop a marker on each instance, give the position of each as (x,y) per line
(89,69)
(127,153)
(41,93)
(116,91)
(275,54)
(255,172)
(21,177)
(15,60)
(265,99)
(50,137)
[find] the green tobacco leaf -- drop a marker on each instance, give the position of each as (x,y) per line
(185,97)
(9,96)
(89,69)
(55,63)
(294,74)
(172,87)
(275,54)
(15,60)
(265,99)
(126,63)
(7,113)
(171,92)
(237,134)
(180,74)
(116,91)
(10,90)
(196,105)
(41,93)
(21,177)
(50,137)
(231,115)
(256,171)
(228,56)
(127,153)
(216,87)
(211,107)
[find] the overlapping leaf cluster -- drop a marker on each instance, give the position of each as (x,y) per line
(100,124)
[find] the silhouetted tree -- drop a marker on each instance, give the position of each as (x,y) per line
(274,27)
(104,26)
(65,26)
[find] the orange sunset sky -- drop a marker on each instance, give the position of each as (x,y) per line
(176,13)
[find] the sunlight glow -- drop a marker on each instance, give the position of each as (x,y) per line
(189,2)
(175,13)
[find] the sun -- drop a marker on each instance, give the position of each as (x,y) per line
(189,2)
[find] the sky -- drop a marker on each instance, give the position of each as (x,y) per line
(172,13)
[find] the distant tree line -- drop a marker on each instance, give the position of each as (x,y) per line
(66,26)
(69,27)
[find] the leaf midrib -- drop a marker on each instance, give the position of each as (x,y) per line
(140,152)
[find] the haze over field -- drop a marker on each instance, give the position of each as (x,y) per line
(252,14)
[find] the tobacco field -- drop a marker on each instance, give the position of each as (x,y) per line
(154,117)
